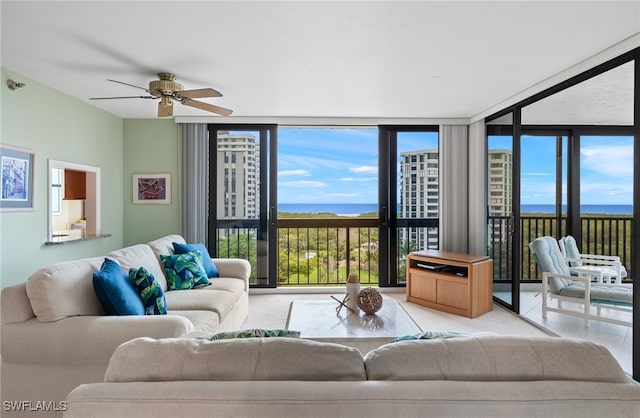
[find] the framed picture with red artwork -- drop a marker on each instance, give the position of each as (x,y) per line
(152,188)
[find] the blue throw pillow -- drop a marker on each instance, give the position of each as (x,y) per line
(184,271)
(209,265)
(149,290)
(115,291)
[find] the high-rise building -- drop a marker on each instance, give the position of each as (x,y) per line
(238,161)
(499,199)
(419,195)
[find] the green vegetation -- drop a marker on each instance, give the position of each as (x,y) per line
(601,234)
(313,256)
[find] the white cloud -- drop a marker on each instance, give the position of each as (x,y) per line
(350,179)
(285,173)
(302,183)
(534,174)
(368,169)
(612,193)
(614,160)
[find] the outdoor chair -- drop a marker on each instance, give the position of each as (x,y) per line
(602,268)
(558,284)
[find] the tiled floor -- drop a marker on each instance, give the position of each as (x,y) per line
(271,309)
(617,338)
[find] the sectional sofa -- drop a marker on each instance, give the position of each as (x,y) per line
(56,335)
(477,376)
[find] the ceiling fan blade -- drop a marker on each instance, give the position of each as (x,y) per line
(208,107)
(197,93)
(165,110)
(122,97)
(127,84)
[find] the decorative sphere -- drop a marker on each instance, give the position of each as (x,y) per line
(369,300)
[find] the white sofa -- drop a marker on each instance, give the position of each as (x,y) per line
(55,334)
(478,376)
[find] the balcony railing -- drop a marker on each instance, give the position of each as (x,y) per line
(601,234)
(322,252)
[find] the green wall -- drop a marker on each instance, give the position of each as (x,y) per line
(56,126)
(59,127)
(150,147)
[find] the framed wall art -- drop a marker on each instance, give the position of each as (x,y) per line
(152,188)
(17,179)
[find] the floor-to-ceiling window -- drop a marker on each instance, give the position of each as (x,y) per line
(590,126)
(241,201)
(410,195)
(341,200)
(327,205)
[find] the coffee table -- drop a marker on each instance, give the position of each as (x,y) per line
(317,320)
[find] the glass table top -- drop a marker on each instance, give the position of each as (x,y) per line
(318,319)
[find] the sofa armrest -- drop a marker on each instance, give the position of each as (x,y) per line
(16,306)
(82,340)
(238,268)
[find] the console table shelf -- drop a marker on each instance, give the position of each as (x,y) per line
(451,282)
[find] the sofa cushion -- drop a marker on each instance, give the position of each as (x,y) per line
(64,289)
(185,271)
(115,291)
(207,262)
(140,255)
(204,322)
(150,292)
(494,358)
(235,286)
(164,245)
(614,295)
(218,301)
(239,359)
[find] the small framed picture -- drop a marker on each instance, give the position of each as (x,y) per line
(152,188)
(17,179)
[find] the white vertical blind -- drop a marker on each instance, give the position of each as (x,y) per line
(454,222)
(477,188)
(195,181)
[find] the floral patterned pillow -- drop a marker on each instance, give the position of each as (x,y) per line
(149,290)
(255,333)
(185,271)
(431,335)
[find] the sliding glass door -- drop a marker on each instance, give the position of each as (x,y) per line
(409,196)
(503,215)
(242,201)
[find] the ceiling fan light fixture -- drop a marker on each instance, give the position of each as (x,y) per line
(168,90)
(166,85)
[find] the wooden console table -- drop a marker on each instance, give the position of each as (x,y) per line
(457,283)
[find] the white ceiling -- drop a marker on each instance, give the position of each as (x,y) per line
(374,59)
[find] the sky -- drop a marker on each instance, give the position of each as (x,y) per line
(319,165)
(335,165)
(606,169)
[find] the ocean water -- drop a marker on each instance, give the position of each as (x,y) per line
(359,208)
(337,208)
(605,209)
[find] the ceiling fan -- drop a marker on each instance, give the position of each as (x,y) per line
(167,90)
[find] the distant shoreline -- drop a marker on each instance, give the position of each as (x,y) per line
(357,209)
